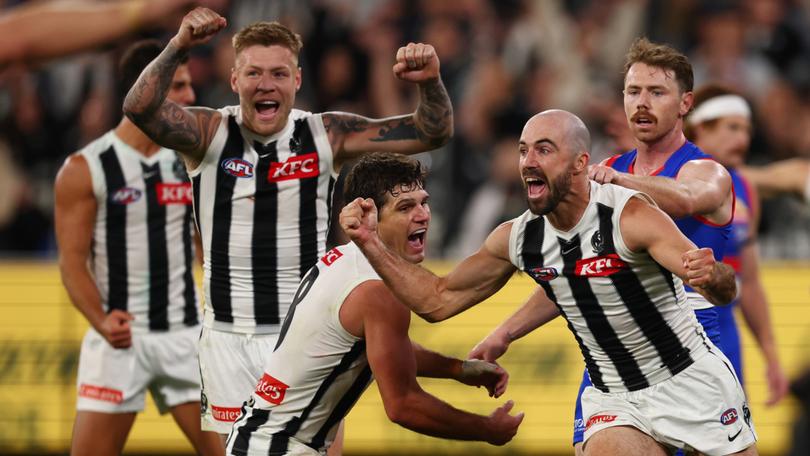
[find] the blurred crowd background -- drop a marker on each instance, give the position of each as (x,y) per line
(501,60)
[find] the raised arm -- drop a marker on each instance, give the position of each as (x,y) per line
(433,298)
(427,128)
(75,214)
(702,187)
(186,130)
(537,311)
(393,362)
(646,228)
(42,30)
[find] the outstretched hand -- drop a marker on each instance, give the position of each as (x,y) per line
(198,27)
(417,62)
(503,426)
(359,219)
(475,372)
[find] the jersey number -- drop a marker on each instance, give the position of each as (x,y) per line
(300,294)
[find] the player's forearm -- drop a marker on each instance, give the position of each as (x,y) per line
(148,94)
(537,311)
(82,291)
(722,288)
(426,414)
(672,197)
(433,118)
(435,365)
(754,308)
(416,287)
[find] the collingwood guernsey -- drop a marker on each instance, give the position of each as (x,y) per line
(144,206)
(318,369)
(262,206)
(634,329)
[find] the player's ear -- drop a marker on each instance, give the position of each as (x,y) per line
(581,161)
(687,100)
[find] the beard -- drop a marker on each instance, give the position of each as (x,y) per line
(556,192)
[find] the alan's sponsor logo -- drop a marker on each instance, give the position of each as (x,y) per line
(599,419)
(600,266)
(174,193)
(227,414)
(297,167)
(544,274)
(729,416)
(101,393)
(126,195)
(331,256)
(237,167)
(271,389)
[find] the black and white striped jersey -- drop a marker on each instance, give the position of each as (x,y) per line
(262,207)
(143,249)
(628,314)
(318,369)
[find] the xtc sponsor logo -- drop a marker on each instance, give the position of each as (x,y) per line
(544,274)
(174,193)
(600,266)
(331,256)
(237,167)
(101,393)
(126,195)
(729,416)
(227,414)
(599,419)
(270,389)
(297,167)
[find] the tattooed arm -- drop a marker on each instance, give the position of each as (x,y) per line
(429,127)
(187,130)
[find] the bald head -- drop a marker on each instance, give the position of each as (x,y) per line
(574,135)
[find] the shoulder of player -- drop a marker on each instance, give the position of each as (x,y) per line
(706,170)
(74,175)
(497,243)
(373,301)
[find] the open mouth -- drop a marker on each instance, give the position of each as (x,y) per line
(535,187)
(266,109)
(642,120)
(417,239)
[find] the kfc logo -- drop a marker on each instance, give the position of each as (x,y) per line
(599,419)
(600,266)
(174,193)
(297,167)
(331,256)
(729,417)
(271,389)
(227,414)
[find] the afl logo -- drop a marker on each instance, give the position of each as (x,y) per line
(126,195)
(237,167)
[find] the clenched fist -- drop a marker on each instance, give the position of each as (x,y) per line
(417,62)
(198,27)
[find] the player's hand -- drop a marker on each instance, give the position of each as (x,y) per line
(602,174)
(778,384)
(491,348)
(116,328)
(503,426)
(475,372)
(417,62)
(198,27)
(699,264)
(359,220)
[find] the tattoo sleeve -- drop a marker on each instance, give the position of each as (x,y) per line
(434,115)
(166,122)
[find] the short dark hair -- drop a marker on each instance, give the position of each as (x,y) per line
(702,95)
(267,34)
(662,56)
(134,59)
(378,174)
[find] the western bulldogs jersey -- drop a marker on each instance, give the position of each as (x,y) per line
(699,230)
(628,314)
(143,251)
(318,369)
(262,207)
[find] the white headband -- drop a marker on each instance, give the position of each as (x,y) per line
(722,106)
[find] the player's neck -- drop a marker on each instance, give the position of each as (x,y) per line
(652,155)
(570,210)
(135,138)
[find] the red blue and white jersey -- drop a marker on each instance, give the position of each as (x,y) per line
(743,217)
(698,229)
